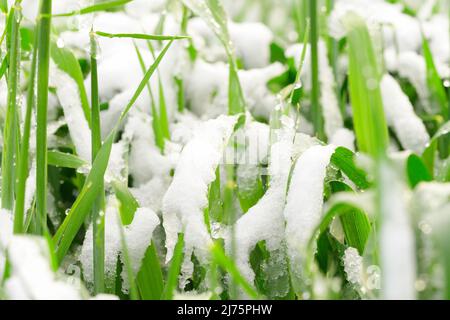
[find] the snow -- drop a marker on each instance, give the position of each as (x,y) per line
(399,111)
(353,266)
(399,29)
(138,237)
(69,97)
(305,200)
(186,197)
(31,275)
(208,97)
(328,100)
(265,221)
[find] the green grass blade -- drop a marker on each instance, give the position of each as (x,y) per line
(44,31)
(4,6)
(149,279)
(416,171)
(145,80)
(344,160)
(364,78)
(355,223)
(438,96)
(83,204)
(23,166)
(163,118)
(98,220)
(174,269)
(229,266)
(64,160)
(128,204)
(156,124)
(103,6)
(10,131)
(67,62)
(316,109)
(140,36)
(3,66)
(429,155)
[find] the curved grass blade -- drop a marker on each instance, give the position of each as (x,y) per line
(356,225)
(98,220)
(128,204)
(139,36)
(344,160)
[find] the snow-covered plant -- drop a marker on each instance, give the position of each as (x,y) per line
(222,149)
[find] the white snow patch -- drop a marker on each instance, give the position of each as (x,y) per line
(305,199)
(31,275)
(400,115)
(187,195)
(69,97)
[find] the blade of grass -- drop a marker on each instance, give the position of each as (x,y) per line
(64,160)
(417,171)
(174,269)
(4,66)
(229,266)
(156,125)
(44,31)
(163,119)
(128,204)
(23,167)
(140,36)
(149,279)
(94,181)
(344,160)
(364,77)
(316,109)
(98,219)
(11,120)
(435,85)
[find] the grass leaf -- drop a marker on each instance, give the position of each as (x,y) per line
(64,160)
(139,36)
(174,269)
(149,279)
(364,78)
